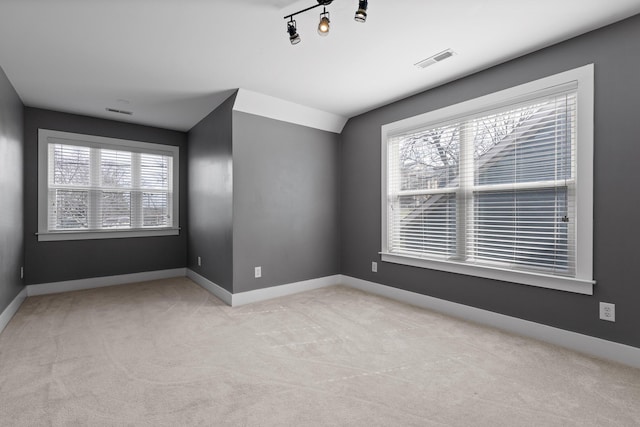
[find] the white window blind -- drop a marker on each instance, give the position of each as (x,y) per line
(100,185)
(494,188)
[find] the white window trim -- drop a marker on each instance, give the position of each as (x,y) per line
(44,234)
(583,281)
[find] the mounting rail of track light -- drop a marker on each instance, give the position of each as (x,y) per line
(324,24)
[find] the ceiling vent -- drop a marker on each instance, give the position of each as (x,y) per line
(435,58)
(113,110)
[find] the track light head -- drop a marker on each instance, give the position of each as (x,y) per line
(294,37)
(325,22)
(323,26)
(361,13)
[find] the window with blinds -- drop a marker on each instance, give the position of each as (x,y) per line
(492,185)
(95,187)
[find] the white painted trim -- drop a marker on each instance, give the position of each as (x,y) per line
(47,137)
(218,291)
(592,346)
(99,282)
(530,278)
(580,79)
(8,313)
(55,236)
(275,108)
(257,295)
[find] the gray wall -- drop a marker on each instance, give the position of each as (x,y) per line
(210,196)
(11,192)
(616,53)
(285,202)
(68,260)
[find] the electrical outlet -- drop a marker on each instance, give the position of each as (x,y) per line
(258,272)
(21,272)
(374,267)
(607,312)
(199,262)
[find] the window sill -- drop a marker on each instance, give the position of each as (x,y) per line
(568,284)
(105,234)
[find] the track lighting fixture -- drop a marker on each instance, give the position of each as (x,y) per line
(324,25)
(294,37)
(361,13)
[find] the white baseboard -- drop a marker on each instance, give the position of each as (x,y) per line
(8,313)
(249,297)
(586,344)
(216,290)
(99,282)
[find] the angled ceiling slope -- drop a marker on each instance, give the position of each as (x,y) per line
(278,109)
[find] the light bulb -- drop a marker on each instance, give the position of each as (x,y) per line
(323,26)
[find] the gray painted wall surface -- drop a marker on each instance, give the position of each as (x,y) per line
(285,202)
(210,196)
(615,51)
(11,192)
(69,260)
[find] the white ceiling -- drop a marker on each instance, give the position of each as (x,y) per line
(172,61)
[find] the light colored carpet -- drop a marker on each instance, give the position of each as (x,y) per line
(167,353)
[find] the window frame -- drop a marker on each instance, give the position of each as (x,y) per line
(582,282)
(93,141)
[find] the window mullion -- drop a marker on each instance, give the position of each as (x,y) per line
(173,207)
(95,194)
(464,196)
(52,205)
(136,192)
(393,186)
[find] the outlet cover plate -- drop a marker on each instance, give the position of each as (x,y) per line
(607,312)
(258,272)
